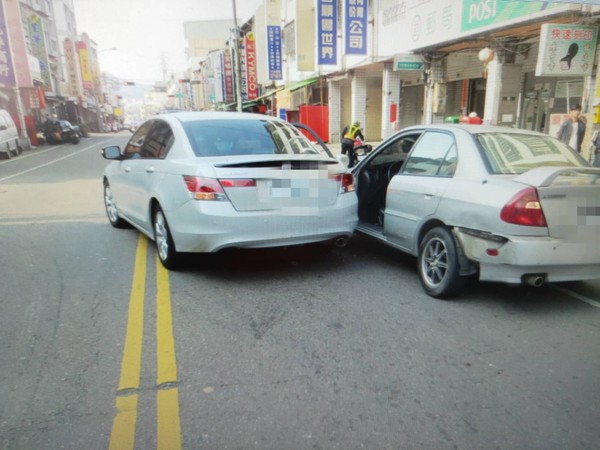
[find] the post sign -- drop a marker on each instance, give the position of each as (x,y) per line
(408,61)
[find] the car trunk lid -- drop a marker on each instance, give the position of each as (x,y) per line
(291,184)
(570,200)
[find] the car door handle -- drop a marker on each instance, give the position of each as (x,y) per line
(127,169)
(150,169)
(428,196)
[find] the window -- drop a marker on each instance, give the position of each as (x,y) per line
(512,153)
(246,137)
(134,146)
(434,155)
(158,142)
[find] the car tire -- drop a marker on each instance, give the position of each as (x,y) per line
(438,264)
(165,247)
(8,155)
(112,211)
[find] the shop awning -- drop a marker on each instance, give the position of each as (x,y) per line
(269,93)
(301,84)
(233,106)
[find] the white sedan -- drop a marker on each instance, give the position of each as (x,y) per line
(200,182)
(503,204)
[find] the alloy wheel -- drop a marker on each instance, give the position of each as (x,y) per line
(161,233)
(434,262)
(111,207)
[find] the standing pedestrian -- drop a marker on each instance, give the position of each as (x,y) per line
(349,136)
(572,130)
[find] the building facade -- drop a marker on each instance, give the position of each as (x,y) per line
(46,68)
(394,63)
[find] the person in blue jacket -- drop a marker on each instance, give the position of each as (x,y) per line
(572,130)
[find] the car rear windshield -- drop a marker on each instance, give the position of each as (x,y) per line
(513,153)
(247,137)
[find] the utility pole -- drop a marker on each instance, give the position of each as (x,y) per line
(236,60)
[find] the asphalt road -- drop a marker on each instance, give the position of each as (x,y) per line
(296,348)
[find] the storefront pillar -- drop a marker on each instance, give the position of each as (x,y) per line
(335,112)
(436,64)
(359,98)
(390,112)
(492,92)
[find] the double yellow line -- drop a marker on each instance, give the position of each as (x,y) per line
(167,397)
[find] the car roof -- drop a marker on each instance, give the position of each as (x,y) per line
(190,116)
(473,129)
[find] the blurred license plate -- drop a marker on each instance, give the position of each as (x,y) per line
(287,188)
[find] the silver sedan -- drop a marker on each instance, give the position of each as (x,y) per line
(501,204)
(200,182)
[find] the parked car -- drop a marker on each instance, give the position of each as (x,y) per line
(9,136)
(201,182)
(501,204)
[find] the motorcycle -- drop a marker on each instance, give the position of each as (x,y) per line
(62,133)
(361,149)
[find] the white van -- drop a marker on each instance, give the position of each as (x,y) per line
(9,136)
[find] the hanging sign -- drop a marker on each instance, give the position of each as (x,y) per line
(274,52)
(327,31)
(356,27)
(566,50)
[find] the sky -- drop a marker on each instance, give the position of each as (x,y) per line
(143,31)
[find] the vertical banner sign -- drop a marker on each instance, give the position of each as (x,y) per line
(251,76)
(228,75)
(274,51)
(243,70)
(566,50)
(7,75)
(72,81)
(84,64)
(217,63)
(38,47)
(355,31)
(327,31)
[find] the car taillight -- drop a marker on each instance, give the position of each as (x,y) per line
(346,181)
(524,209)
(237,182)
(204,188)
(211,189)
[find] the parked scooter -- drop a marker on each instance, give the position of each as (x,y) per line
(41,138)
(61,134)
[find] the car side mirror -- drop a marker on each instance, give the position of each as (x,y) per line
(112,152)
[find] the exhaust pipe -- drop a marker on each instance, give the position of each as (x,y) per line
(534,280)
(340,241)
